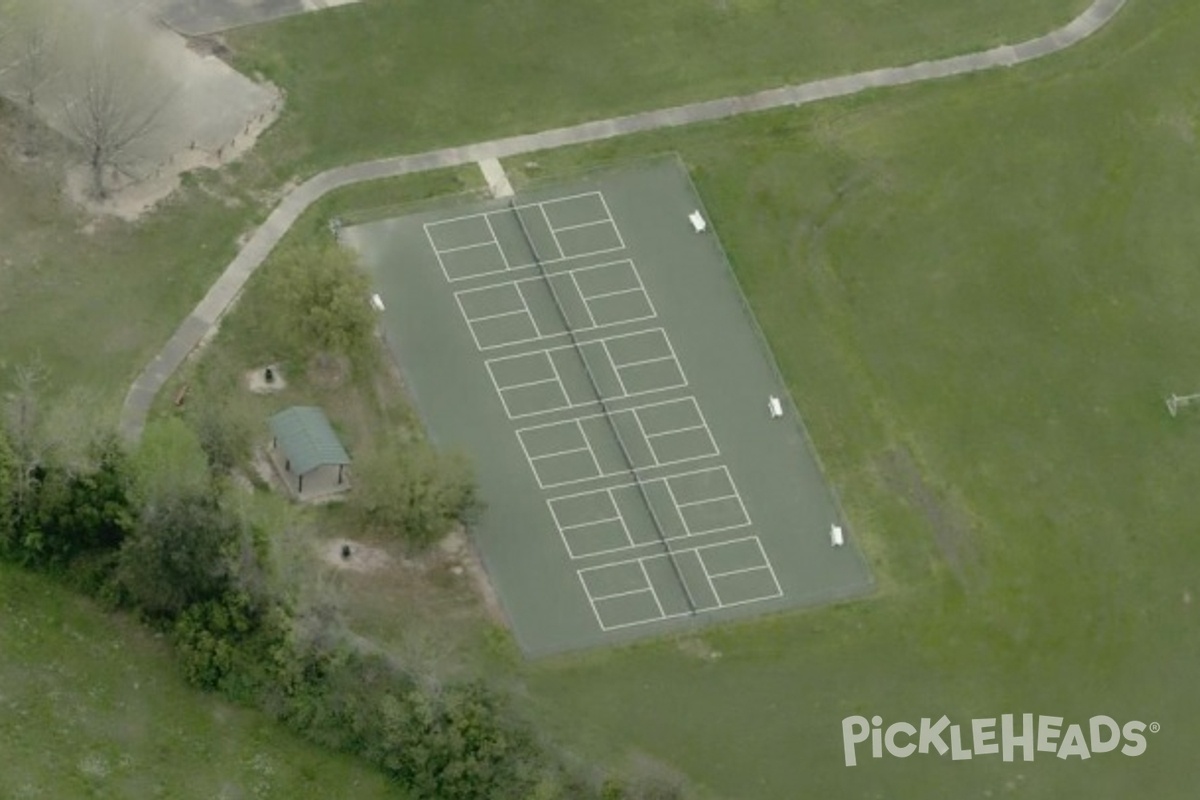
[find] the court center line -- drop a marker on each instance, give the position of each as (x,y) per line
(458,248)
(601,295)
(529,311)
(595,461)
(579,225)
(662,612)
(741,571)
(575,525)
(562,254)
(612,362)
(638,363)
(579,291)
(675,430)
(496,240)
(616,228)
(486,317)
(691,503)
(512,386)
(562,387)
(564,453)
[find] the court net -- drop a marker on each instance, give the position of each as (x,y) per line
(604,407)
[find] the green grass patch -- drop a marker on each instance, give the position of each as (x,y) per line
(389,77)
(979,292)
(93,706)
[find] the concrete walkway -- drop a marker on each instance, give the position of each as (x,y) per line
(202,322)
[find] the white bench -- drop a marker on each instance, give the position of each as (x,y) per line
(835,536)
(377,302)
(698,223)
(774,407)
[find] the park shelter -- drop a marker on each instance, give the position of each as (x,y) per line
(307,453)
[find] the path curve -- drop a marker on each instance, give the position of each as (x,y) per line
(202,322)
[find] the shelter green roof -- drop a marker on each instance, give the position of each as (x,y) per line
(307,439)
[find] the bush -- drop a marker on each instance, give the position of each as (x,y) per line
(177,555)
(55,514)
(414,491)
(323,300)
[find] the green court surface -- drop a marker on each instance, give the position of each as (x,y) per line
(593,354)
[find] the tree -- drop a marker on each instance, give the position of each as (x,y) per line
(415,491)
(33,30)
(178,553)
(324,295)
(112,107)
(169,461)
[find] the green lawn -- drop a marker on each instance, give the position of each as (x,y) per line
(979,292)
(401,76)
(92,706)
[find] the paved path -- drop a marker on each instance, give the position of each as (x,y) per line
(202,322)
(496,177)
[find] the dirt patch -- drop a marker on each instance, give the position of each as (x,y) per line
(465,561)
(696,647)
(130,196)
(327,371)
(950,526)
(256,380)
(354,556)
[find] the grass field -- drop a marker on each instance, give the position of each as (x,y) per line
(978,291)
(93,707)
(443,73)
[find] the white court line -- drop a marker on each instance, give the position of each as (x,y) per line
(579,225)
(475,246)
(638,363)
(616,229)
(512,386)
(613,363)
(562,387)
(650,447)
(601,295)
(588,594)
(673,430)
(626,594)
(595,461)
(699,415)
(529,460)
(579,291)
(562,254)
(496,385)
(562,529)
(674,502)
(516,285)
(470,325)
(737,571)
(437,254)
(496,240)
(691,503)
(569,404)
(662,612)
(529,311)
(486,317)
(766,562)
(575,525)
(658,463)
(564,453)
(556,200)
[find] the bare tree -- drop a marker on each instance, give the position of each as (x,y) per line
(111,110)
(34,48)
